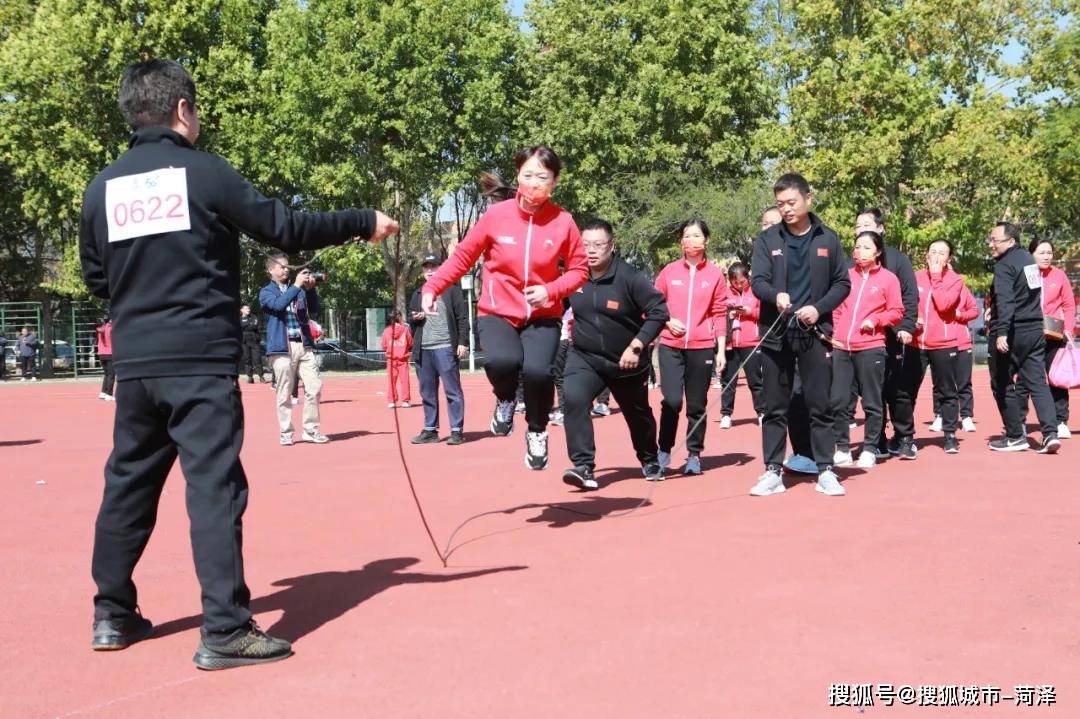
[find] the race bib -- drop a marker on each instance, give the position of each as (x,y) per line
(1034,277)
(150,203)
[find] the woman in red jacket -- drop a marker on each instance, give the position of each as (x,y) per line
(104,354)
(1057,301)
(522,239)
(966,312)
(742,337)
(859,341)
(691,345)
(397,344)
(937,333)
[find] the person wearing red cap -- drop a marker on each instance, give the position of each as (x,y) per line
(523,240)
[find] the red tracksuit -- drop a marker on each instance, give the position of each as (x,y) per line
(397,344)
(1057,298)
(875,296)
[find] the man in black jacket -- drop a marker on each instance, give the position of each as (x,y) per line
(159,237)
(250,351)
(1017,344)
(438,345)
(903,371)
(617,313)
(799,267)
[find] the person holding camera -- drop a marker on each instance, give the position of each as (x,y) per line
(104,355)
(159,237)
(290,346)
(26,351)
(250,351)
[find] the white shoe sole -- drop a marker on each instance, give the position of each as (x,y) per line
(818,488)
(755,492)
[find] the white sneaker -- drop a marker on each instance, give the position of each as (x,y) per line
(800,464)
(406,404)
(317,437)
(760,419)
(536,450)
(725,422)
(935,426)
(866,460)
(110,398)
(841,459)
(968,424)
(1063,431)
(389,406)
(102,395)
(852,425)
(829,485)
(295,401)
(22,379)
(33,379)
(769,483)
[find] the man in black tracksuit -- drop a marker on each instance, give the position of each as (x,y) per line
(1017,344)
(902,369)
(251,352)
(798,265)
(160,237)
(617,313)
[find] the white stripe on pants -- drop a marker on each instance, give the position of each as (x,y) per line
(303,361)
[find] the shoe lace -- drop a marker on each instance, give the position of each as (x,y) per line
(537,443)
(504,410)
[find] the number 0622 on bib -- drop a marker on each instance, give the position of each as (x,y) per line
(150,203)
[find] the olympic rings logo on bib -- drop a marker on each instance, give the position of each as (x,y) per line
(150,203)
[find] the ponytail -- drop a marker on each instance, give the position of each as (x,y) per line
(493,186)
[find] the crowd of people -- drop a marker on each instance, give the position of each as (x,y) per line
(815,328)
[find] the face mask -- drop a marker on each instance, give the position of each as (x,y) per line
(534,196)
(693,246)
(865,262)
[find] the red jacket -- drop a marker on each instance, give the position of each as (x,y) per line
(104,340)
(966,311)
(875,296)
(939,296)
(744,329)
(397,342)
(697,296)
(1058,299)
(520,249)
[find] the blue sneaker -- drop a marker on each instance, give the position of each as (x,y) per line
(693,465)
(663,459)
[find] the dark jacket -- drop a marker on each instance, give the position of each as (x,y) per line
(829,281)
(1016,295)
(176,295)
(898,263)
(275,306)
(249,328)
(27,345)
(610,312)
(457,319)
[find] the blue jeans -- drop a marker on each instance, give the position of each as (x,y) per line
(432,366)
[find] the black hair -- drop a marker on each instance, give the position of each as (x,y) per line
(792,181)
(276,258)
(1011,230)
(879,218)
(879,241)
(736,269)
(597,223)
(494,186)
(150,90)
(690,223)
(1034,245)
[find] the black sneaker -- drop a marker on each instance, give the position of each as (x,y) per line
(247,645)
(536,450)
(894,446)
(251,381)
(456,437)
(881,452)
(907,449)
(653,472)
(1050,444)
(113,634)
(502,420)
(952,446)
(581,477)
(427,436)
(1009,444)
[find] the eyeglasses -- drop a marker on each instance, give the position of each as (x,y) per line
(595,245)
(538,176)
(992,241)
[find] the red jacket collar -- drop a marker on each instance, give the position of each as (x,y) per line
(700,265)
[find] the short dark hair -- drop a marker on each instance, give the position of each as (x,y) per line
(1011,230)
(547,157)
(1034,245)
(596,223)
(736,269)
(150,90)
(948,243)
(690,223)
(276,258)
(879,218)
(792,181)
(879,242)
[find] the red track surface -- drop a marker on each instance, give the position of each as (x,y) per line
(708,603)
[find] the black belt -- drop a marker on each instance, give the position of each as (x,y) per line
(296,339)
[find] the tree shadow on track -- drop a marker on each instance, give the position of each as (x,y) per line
(19,442)
(312,600)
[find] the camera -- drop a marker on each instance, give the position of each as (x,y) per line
(319,277)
